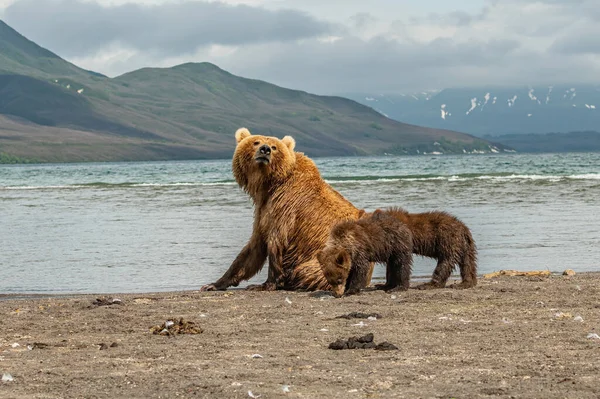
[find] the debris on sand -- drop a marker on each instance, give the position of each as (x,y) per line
(578,318)
(364,342)
(37,345)
(360,315)
(534,273)
(107,301)
(253,395)
(569,272)
(386,346)
(593,336)
(7,377)
(561,315)
(174,326)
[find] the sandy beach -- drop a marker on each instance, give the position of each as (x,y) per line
(522,337)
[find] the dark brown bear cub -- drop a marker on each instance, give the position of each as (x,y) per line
(441,236)
(352,245)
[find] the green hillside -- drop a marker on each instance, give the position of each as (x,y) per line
(188,111)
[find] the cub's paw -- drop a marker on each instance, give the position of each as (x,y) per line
(396,289)
(429,286)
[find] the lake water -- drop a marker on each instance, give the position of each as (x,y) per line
(161,226)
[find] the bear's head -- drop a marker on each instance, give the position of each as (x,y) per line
(335,263)
(261,161)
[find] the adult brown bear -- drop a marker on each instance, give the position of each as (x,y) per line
(294,211)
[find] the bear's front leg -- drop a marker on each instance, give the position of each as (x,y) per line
(248,262)
(357,278)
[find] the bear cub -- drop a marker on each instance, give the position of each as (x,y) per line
(352,245)
(444,237)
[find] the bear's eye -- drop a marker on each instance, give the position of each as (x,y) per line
(256,142)
(273,148)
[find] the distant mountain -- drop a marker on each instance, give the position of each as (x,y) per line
(493,111)
(54,111)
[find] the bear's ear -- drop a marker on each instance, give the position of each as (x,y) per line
(289,142)
(241,134)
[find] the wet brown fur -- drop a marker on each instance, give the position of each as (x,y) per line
(442,236)
(294,210)
(353,245)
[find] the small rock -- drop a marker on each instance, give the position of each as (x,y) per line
(569,272)
(339,344)
(102,346)
(15,345)
(253,395)
(256,356)
(593,336)
(578,318)
(114,345)
(285,388)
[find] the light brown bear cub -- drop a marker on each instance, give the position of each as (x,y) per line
(352,245)
(442,236)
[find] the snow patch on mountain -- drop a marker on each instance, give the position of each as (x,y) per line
(444,112)
(473,105)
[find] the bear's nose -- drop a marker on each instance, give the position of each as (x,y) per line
(265,149)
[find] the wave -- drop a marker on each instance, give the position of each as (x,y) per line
(366,179)
(116,185)
(462,177)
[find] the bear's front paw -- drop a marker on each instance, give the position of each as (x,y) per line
(396,288)
(211,287)
(262,287)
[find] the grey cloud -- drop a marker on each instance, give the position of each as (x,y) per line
(581,42)
(72,27)
(375,65)
(362,20)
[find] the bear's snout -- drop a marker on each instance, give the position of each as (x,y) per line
(263,154)
(265,149)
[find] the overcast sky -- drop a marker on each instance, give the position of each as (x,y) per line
(328,46)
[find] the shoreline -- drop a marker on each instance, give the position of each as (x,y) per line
(520,336)
(43,295)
